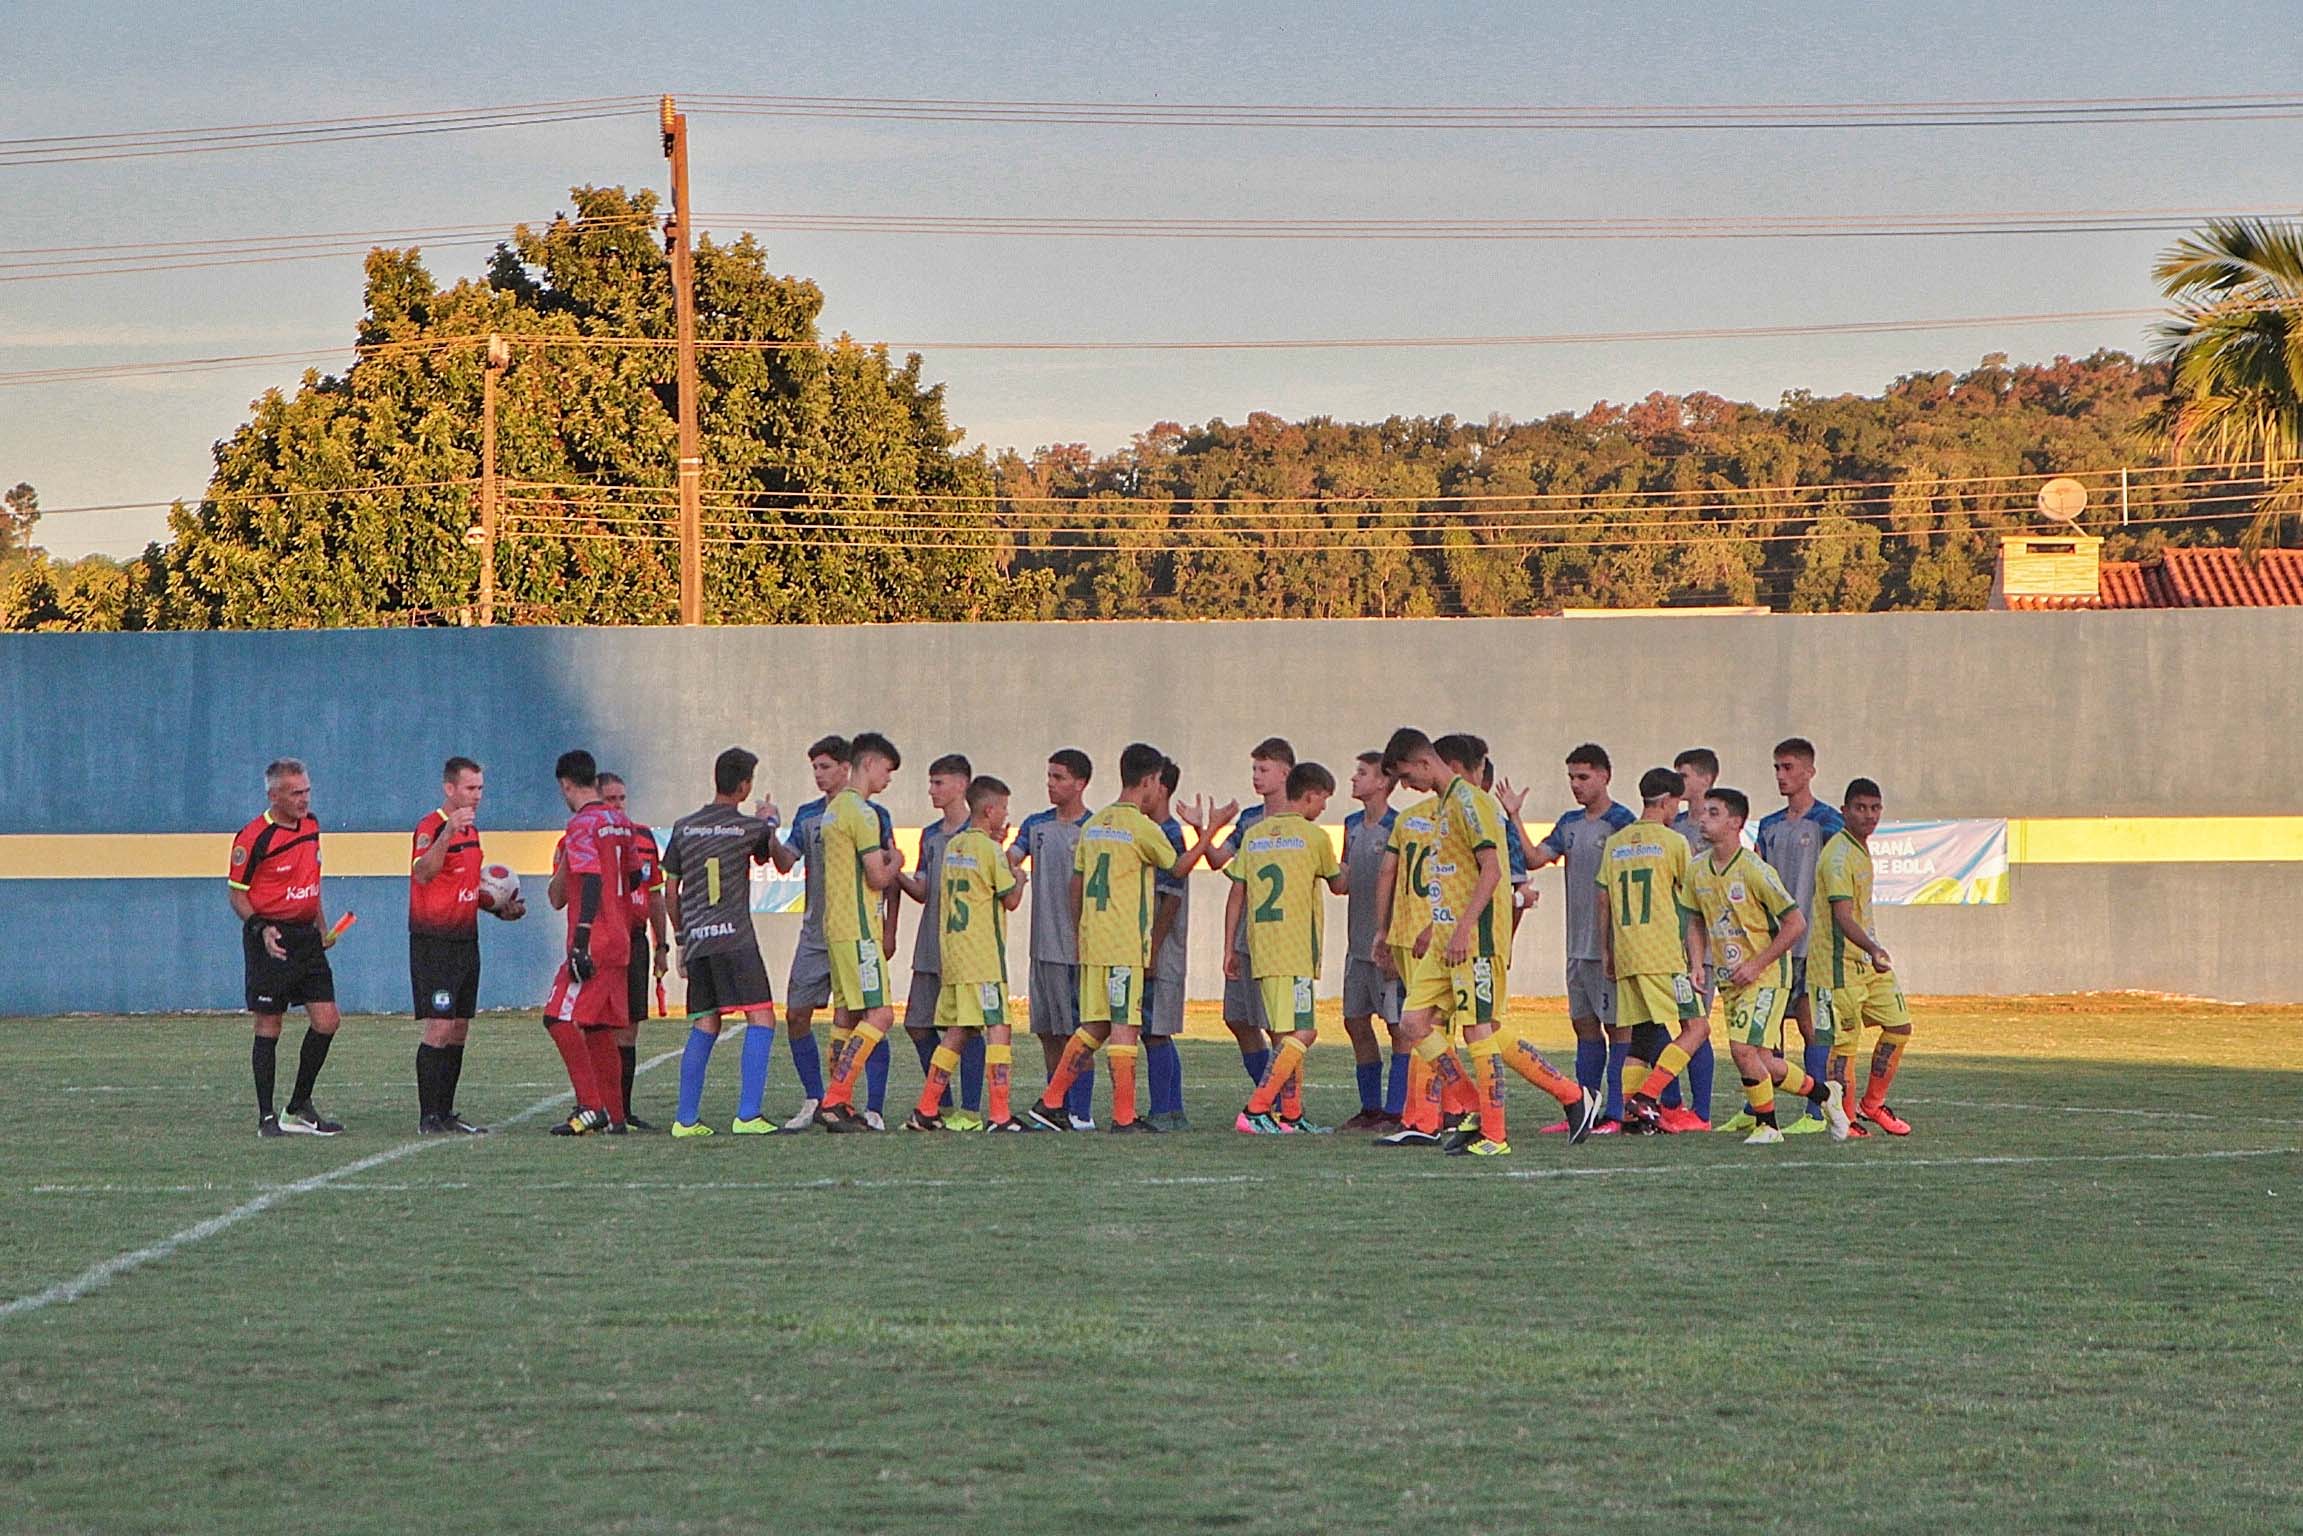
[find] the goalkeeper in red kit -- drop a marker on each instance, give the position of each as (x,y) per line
(589,1002)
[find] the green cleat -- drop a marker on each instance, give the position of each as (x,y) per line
(963,1120)
(758,1125)
(1483,1148)
(681,1132)
(1805,1125)
(1742,1120)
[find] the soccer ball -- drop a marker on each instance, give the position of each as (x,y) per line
(499,887)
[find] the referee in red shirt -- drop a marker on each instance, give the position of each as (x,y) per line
(275,881)
(444,943)
(648,922)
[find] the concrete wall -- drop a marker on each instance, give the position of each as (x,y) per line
(1990,714)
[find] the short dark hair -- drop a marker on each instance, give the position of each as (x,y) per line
(876,745)
(1858,789)
(1795,746)
(733,769)
(1461,751)
(1406,742)
(577,768)
(1139,762)
(834,747)
(1702,759)
(1737,802)
(1169,774)
(456,766)
(1590,755)
(983,790)
(952,762)
(1074,762)
(1372,759)
(1661,784)
(607,778)
(1303,778)
(1273,749)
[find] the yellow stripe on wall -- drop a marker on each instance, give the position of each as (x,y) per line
(2156,840)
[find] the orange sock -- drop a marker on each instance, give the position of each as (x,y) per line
(1487,1079)
(1796,1082)
(941,1066)
(1458,1099)
(1885,1058)
(999,1072)
(1074,1061)
(1286,1068)
(1528,1062)
(1291,1100)
(1669,1063)
(1123,1062)
(1421,1112)
(848,1064)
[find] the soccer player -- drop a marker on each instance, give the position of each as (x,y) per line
(444,943)
(948,778)
(1368,993)
(976,892)
(1577,837)
(1046,842)
(1751,923)
(1854,979)
(651,937)
(1462,957)
(1643,879)
(1275,879)
(1117,852)
(589,995)
(709,863)
(1163,1001)
(1268,765)
(1403,907)
(858,865)
(1698,769)
(1791,841)
(275,892)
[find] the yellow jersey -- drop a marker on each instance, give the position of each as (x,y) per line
(1643,885)
(1413,832)
(1118,850)
(1282,865)
(1842,873)
(1742,907)
(975,921)
(850,831)
(1468,821)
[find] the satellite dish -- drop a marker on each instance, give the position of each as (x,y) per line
(2063,499)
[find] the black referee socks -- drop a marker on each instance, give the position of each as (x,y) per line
(262,1058)
(308,1064)
(431,1074)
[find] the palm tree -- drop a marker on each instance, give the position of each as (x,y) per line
(2235,343)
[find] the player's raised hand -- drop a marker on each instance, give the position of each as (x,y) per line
(1224,815)
(461,819)
(1510,797)
(766,810)
(1193,814)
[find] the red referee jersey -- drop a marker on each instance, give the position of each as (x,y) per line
(647,873)
(599,842)
(447,906)
(278,865)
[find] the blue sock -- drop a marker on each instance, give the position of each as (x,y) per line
(1590,1062)
(1699,1081)
(759,1055)
(972,1071)
(926,1046)
(1370,1075)
(1163,1066)
(808,1061)
(1257,1064)
(1080,1103)
(1617,1054)
(1671,1096)
(876,1078)
(695,1060)
(1817,1060)
(1395,1086)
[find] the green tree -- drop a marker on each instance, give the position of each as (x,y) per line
(19,510)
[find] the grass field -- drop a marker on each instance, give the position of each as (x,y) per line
(2067,1303)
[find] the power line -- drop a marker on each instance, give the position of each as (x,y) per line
(137,144)
(34,264)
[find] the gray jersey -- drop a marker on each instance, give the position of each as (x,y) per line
(1792,846)
(1171,964)
(709,859)
(1048,842)
(928,942)
(1578,839)
(1363,845)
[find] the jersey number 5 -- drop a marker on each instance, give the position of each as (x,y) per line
(956,919)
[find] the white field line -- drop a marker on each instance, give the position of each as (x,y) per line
(1758,1164)
(111,1269)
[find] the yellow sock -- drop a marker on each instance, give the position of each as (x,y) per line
(945,1060)
(1669,1063)
(1432,1046)
(1762,1096)
(1796,1082)
(1286,1062)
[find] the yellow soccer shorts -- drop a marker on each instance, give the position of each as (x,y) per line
(1470,993)
(1667,1000)
(859,976)
(1753,1014)
(1108,993)
(1868,1001)
(1287,1002)
(971,1004)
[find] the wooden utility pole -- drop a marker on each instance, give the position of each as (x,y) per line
(678,245)
(499,357)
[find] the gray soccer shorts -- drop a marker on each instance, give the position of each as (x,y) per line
(1590,995)
(1369,993)
(811,983)
(920,1003)
(1055,998)
(1243,1003)
(1162,1012)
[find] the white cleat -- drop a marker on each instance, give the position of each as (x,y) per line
(1765,1136)
(1835,1111)
(1083,1122)
(805,1118)
(872,1119)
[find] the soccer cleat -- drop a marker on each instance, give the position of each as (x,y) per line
(457,1125)
(1805,1125)
(683,1132)
(1250,1124)
(916,1121)
(618,1128)
(963,1120)
(1886,1119)
(1367,1120)
(1675,1121)
(1407,1136)
(429,1125)
(269,1127)
(1608,1128)
(1302,1127)
(1458,1136)
(1835,1111)
(1049,1117)
(1764,1136)
(304,1120)
(1483,1148)
(1083,1122)
(1168,1120)
(873,1121)
(1856,1132)
(1007,1127)
(1742,1120)
(808,1117)
(582,1122)
(758,1125)
(1642,1117)
(1583,1116)
(841,1119)
(1132,1128)
(637,1124)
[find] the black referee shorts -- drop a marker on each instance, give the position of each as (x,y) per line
(637,977)
(275,986)
(444,975)
(731,981)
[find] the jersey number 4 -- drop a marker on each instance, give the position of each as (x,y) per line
(1099,883)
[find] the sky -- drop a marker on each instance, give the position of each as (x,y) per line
(108,67)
